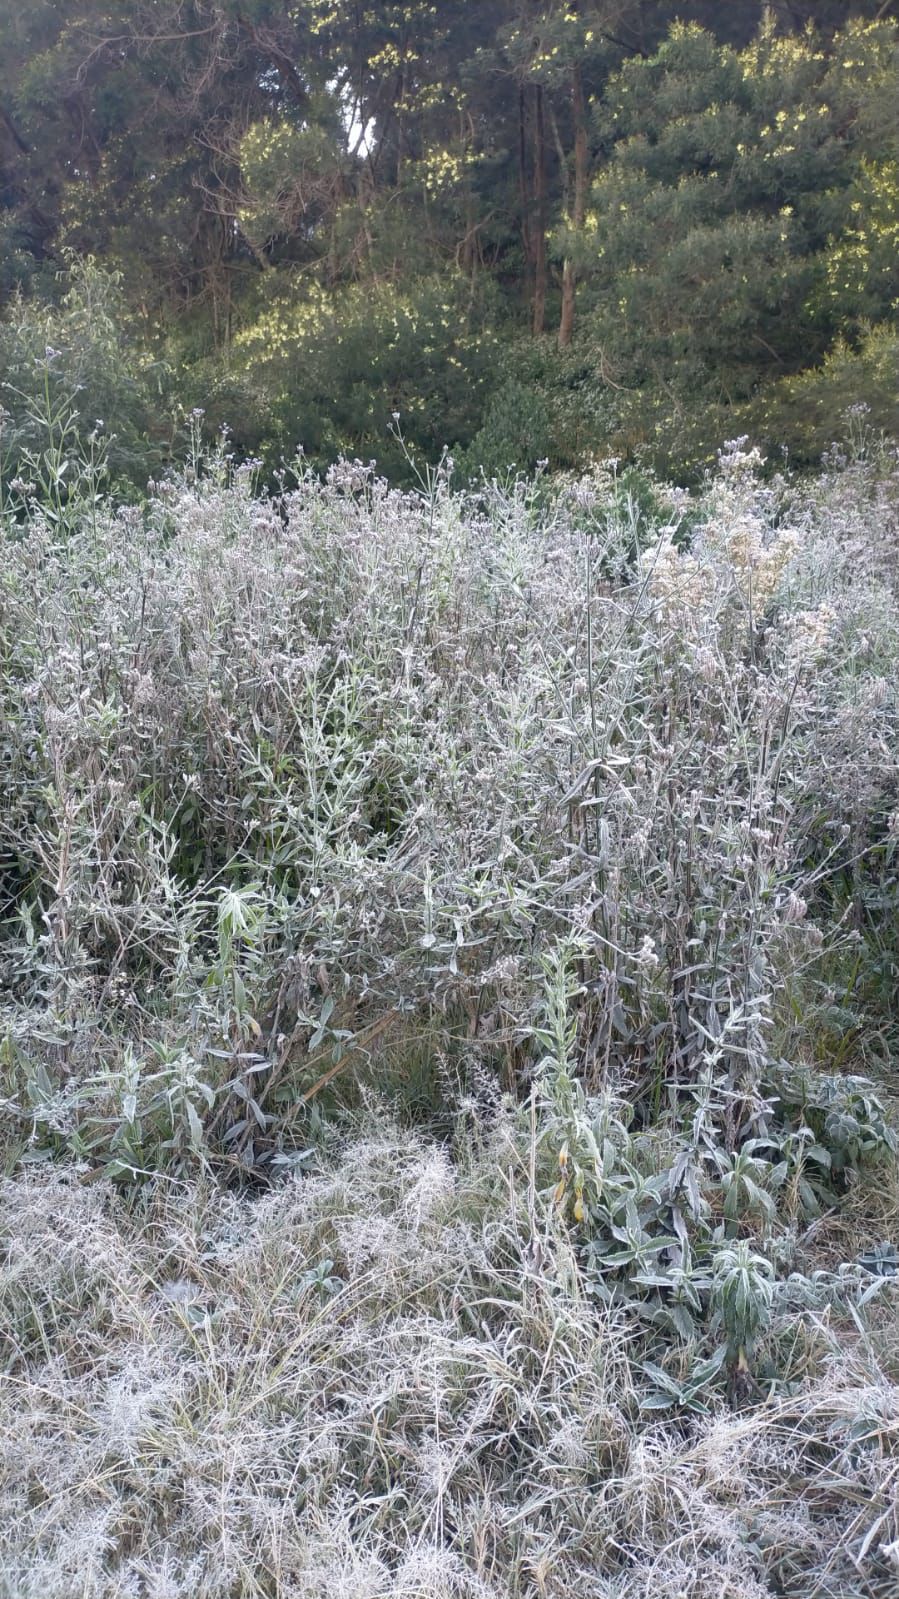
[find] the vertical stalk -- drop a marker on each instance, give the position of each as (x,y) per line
(539,239)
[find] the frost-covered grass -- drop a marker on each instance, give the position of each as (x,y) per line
(361,1385)
(557,828)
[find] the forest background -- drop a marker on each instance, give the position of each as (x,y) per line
(557,232)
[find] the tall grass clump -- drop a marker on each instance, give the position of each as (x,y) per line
(559,824)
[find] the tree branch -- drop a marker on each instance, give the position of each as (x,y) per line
(12,130)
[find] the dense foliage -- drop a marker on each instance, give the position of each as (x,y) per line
(557,821)
(555,231)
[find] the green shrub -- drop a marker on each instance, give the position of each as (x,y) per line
(337,368)
(74,378)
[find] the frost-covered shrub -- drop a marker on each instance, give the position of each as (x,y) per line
(289,781)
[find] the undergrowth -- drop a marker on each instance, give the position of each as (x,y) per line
(555,823)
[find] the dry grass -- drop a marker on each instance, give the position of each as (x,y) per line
(188,1412)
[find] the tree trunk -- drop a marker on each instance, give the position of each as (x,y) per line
(540,270)
(524,197)
(579,205)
